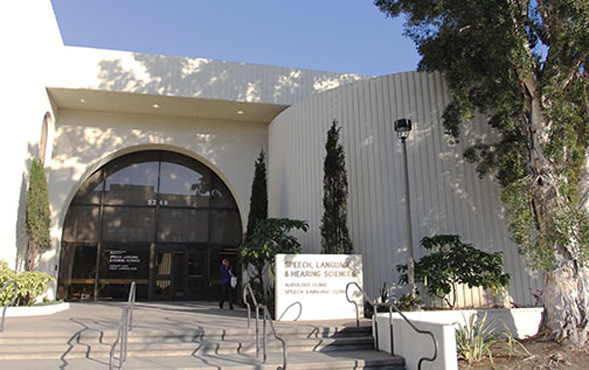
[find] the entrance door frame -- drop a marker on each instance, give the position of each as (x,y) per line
(189,251)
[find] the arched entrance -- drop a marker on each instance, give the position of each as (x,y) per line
(158,218)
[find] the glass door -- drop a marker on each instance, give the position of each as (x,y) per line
(197,273)
(170,273)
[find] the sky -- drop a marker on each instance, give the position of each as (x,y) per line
(347,36)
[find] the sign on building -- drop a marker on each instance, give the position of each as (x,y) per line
(313,286)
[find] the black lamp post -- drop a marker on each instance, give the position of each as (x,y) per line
(403,128)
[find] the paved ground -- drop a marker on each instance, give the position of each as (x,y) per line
(149,317)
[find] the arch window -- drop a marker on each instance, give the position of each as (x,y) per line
(158,218)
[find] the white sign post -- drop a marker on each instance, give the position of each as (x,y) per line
(313,286)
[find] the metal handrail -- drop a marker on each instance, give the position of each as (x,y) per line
(125,326)
(247,290)
(122,336)
(391,306)
(268,318)
(131,303)
(6,304)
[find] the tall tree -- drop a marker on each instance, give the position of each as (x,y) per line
(523,64)
(37,214)
(335,238)
(259,196)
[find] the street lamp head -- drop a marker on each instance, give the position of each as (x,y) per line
(403,127)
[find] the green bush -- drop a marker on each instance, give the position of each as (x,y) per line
(452,262)
(409,302)
(271,236)
(37,214)
(31,284)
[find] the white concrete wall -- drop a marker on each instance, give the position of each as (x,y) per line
(84,141)
(31,43)
(447,197)
(521,323)
(130,72)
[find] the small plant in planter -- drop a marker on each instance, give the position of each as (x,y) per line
(409,302)
(478,338)
(452,262)
(31,284)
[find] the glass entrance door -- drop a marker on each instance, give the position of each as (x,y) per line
(170,274)
(180,273)
(197,273)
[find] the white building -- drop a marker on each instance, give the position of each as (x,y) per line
(150,160)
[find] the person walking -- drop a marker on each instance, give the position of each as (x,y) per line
(226,294)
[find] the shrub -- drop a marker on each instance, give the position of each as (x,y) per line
(408,302)
(477,339)
(37,214)
(271,236)
(452,262)
(31,284)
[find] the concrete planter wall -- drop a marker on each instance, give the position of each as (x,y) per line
(522,322)
(49,309)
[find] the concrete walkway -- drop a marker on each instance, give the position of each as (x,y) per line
(150,317)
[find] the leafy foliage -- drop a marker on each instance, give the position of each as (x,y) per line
(479,338)
(408,302)
(259,196)
(522,63)
(452,262)
(270,237)
(335,237)
(31,284)
(475,339)
(37,213)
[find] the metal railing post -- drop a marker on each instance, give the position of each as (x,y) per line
(264,337)
(131,304)
(392,337)
(11,302)
(266,316)
(125,326)
(392,307)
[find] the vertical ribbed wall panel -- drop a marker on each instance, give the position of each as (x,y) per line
(446,193)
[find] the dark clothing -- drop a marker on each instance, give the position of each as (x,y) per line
(226,295)
(226,290)
(225,274)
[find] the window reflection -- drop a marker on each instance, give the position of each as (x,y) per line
(183,225)
(132,185)
(182,186)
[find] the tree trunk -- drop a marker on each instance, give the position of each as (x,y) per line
(32,257)
(584,185)
(566,285)
(566,294)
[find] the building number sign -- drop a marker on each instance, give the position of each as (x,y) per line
(155,202)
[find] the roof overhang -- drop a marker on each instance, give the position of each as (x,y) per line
(122,102)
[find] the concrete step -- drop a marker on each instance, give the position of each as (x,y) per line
(200,338)
(142,335)
(79,349)
(296,360)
